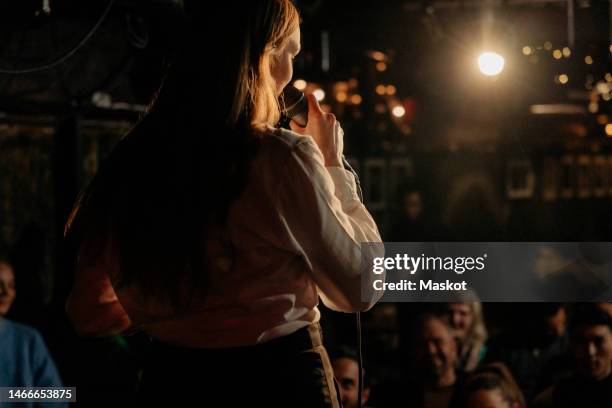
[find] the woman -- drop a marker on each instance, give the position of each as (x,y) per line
(467,322)
(216,233)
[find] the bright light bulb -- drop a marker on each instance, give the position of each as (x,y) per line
(319,94)
(491,63)
(398,111)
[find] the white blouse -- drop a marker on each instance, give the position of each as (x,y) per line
(296,232)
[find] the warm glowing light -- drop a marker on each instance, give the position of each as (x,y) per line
(588,60)
(593,107)
(557,54)
(605,97)
(527,50)
(398,111)
(609,130)
(602,119)
(391,90)
(378,56)
(491,63)
(608,77)
(548,45)
(381,89)
(341,96)
(356,99)
(300,84)
(567,52)
(563,78)
(381,66)
(319,94)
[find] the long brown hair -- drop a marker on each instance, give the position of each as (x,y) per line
(168,184)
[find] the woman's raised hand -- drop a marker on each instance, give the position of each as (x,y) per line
(326,132)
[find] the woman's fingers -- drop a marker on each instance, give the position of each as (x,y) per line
(313,106)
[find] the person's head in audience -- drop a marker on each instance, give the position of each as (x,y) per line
(606,307)
(435,350)
(344,360)
(591,342)
(548,321)
(7,286)
(466,320)
(491,386)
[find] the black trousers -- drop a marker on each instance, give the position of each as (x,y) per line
(292,371)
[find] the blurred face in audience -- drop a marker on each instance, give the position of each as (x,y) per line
(592,349)
(346,372)
(460,318)
(413,205)
(492,398)
(7,287)
(437,350)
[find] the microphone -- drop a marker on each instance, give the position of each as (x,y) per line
(295,108)
(295,105)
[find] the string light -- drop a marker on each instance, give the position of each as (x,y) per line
(567,52)
(557,54)
(527,50)
(588,60)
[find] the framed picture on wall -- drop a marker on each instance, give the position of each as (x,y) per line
(584,176)
(550,178)
(600,175)
(374,181)
(567,176)
(400,171)
(520,179)
(609,176)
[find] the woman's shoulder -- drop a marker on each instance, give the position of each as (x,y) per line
(284,142)
(284,137)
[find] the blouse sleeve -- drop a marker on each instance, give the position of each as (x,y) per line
(327,223)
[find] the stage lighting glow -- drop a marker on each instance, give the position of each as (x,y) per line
(491,63)
(300,84)
(398,111)
(319,94)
